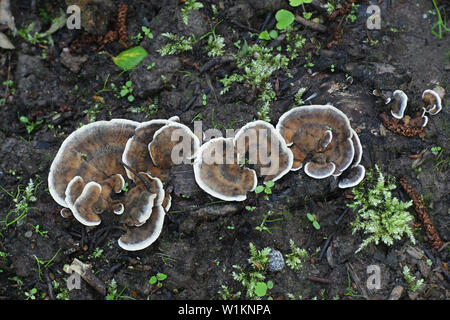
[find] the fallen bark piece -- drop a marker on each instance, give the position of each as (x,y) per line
(396,293)
(85,271)
(422,213)
(395,126)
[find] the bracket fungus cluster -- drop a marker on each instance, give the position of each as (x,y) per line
(96,160)
(323,143)
(228,168)
(432,105)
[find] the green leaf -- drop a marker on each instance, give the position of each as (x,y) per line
(152,280)
(284,19)
(130,98)
(269,284)
(161,276)
(316,225)
(307,15)
(295,3)
(259,189)
(264,35)
(24,119)
(129,59)
(273,34)
(310,217)
(269,184)
(260,289)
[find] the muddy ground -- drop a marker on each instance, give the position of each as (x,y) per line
(202,238)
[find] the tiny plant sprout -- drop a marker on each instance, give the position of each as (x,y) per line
(267,188)
(261,288)
(312,218)
(268,35)
(284,19)
(157,279)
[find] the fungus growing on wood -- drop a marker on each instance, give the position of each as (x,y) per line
(320,138)
(151,148)
(145,208)
(432,101)
(398,104)
(218,172)
(356,172)
(258,144)
(87,168)
(228,168)
(138,238)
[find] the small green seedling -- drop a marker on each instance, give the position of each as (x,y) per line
(312,218)
(42,233)
(30,126)
(31,294)
(413,283)
(437,151)
(284,19)
(147,32)
(157,279)
(127,91)
(267,188)
(268,35)
(296,3)
(261,288)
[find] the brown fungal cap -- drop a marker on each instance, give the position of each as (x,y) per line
(138,238)
(319,135)
(136,154)
(432,101)
(85,208)
(90,154)
(218,172)
(141,199)
(398,104)
(173,144)
(262,147)
(352,177)
(356,172)
(93,146)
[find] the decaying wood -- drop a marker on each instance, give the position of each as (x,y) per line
(422,213)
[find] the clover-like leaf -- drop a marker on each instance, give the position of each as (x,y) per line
(284,19)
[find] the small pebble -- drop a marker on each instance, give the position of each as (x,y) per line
(413,252)
(28,234)
(276,261)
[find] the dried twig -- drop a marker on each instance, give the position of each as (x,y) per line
(311,24)
(422,213)
(321,280)
(393,125)
(84,270)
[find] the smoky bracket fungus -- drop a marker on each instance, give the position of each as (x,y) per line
(323,143)
(98,160)
(228,168)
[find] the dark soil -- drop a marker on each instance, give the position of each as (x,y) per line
(202,238)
